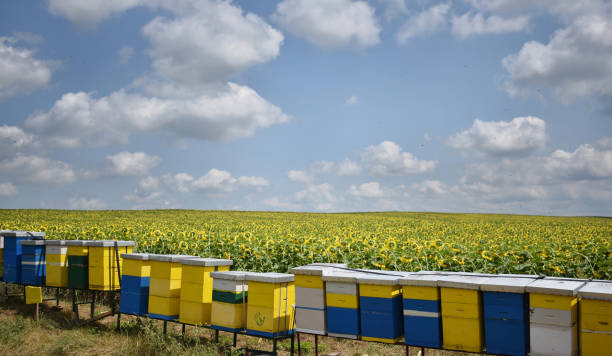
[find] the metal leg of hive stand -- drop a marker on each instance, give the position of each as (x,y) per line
(57,296)
(75,306)
(316,345)
(299,344)
(235,339)
(119,321)
(165,327)
(92,308)
(292,344)
(216,336)
(274,347)
(183,332)
(407,350)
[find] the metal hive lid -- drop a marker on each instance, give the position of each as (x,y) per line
(111,243)
(135,256)
(75,243)
(205,262)
(169,258)
(556,286)
(341,276)
(315,269)
(230,275)
(506,283)
(270,277)
(55,242)
(421,280)
(462,281)
(601,290)
(378,279)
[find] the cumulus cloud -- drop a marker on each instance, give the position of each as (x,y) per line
(426,22)
(149,184)
(84,203)
(277,203)
(320,196)
(8,189)
(366,190)
(132,164)
(470,24)
(87,14)
(215,41)
(330,23)
(574,63)
(300,176)
(37,169)
(431,187)
(13,139)
(348,167)
(351,101)
(388,159)
(586,162)
(79,118)
(125,54)
(519,137)
(20,71)
(214,181)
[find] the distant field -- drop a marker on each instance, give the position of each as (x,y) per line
(260,241)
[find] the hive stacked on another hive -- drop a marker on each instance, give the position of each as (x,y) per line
(421,302)
(78,262)
(310,302)
(506,314)
(553,308)
(197,288)
(462,324)
(229,301)
(380,308)
(165,286)
(103,267)
(13,253)
(270,304)
(33,262)
(56,254)
(596,318)
(342,298)
(135,281)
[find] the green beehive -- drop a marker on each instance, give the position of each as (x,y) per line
(78,264)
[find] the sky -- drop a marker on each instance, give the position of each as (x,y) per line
(500,106)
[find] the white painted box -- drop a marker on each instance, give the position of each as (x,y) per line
(309,297)
(310,321)
(550,340)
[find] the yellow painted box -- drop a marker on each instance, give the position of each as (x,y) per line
(164,306)
(228,315)
(195,292)
(420,292)
(595,344)
(270,304)
(103,278)
(596,315)
(549,301)
(77,250)
(136,268)
(195,313)
(596,318)
(165,287)
(63,259)
(57,276)
(306,281)
(33,295)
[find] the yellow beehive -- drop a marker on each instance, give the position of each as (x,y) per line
(596,318)
(461,304)
(229,301)
(196,288)
(165,286)
(270,304)
(56,254)
(103,266)
(135,267)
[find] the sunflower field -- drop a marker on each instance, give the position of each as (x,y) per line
(579,247)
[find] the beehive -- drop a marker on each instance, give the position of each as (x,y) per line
(197,288)
(78,262)
(103,272)
(342,298)
(553,307)
(135,279)
(165,286)
(421,310)
(33,262)
(1,253)
(12,253)
(229,301)
(461,302)
(270,304)
(56,254)
(380,308)
(310,298)
(506,314)
(596,318)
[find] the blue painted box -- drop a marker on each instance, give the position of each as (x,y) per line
(134,303)
(343,321)
(421,310)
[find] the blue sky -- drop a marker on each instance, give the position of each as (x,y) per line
(307,105)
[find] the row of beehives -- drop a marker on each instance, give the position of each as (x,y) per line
(202,291)
(80,264)
(496,314)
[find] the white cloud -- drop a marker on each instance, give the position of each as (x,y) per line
(574,63)
(586,162)
(426,22)
(322,167)
(351,101)
(87,14)
(214,181)
(470,24)
(280,204)
(388,159)
(37,169)
(8,189)
(13,139)
(367,190)
(79,118)
(253,181)
(330,23)
(28,37)
(132,164)
(519,137)
(125,54)
(20,71)
(394,8)
(300,176)
(431,186)
(149,184)
(348,167)
(212,43)
(321,197)
(148,200)
(84,203)
(180,182)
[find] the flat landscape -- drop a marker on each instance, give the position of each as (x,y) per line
(577,247)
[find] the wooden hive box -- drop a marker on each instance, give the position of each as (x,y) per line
(270,304)
(595,300)
(229,301)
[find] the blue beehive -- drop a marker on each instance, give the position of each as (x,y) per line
(13,253)
(421,301)
(380,307)
(506,314)
(135,281)
(33,262)
(342,299)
